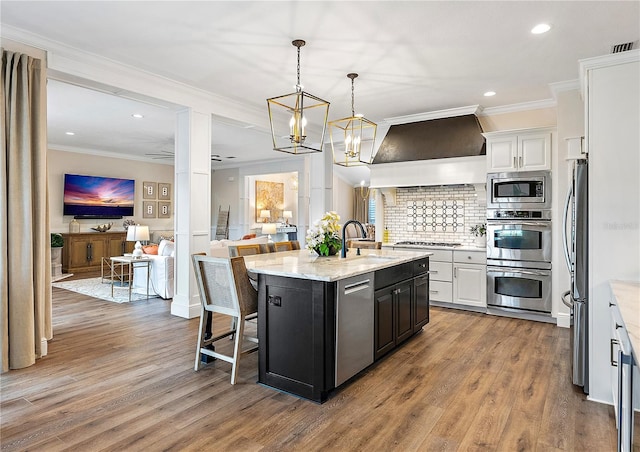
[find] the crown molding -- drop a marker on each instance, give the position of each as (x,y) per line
(568,85)
(69,64)
(525,106)
(438,114)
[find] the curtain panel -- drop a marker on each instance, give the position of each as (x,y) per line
(25,253)
(360,206)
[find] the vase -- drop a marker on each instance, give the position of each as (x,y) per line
(332,251)
(481,241)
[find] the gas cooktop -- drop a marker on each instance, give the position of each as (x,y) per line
(408,243)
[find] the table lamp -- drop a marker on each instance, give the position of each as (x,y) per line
(286,215)
(265,215)
(269,228)
(135,234)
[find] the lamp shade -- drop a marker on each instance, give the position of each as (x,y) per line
(287,214)
(137,233)
(269,228)
(265,214)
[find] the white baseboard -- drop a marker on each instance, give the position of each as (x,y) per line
(564,320)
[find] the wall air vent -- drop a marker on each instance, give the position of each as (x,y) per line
(617,48)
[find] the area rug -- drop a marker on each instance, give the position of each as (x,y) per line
(93,287)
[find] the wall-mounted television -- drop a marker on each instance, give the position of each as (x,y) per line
(98,197)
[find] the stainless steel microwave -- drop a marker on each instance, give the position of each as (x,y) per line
(521,190)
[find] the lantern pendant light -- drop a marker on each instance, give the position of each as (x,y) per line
(298,120)
(353,138)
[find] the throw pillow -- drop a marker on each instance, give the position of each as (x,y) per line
(248,236)
(166,248)
(150,249)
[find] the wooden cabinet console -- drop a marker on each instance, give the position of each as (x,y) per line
(83,252)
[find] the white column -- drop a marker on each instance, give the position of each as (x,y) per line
(320,184)
(193,206)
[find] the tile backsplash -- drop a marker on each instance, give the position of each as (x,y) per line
(434,214)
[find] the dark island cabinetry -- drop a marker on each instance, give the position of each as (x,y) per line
(401,304)
(318,331)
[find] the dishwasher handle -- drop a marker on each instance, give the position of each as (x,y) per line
(357,286)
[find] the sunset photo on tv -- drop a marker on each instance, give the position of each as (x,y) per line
(98,196)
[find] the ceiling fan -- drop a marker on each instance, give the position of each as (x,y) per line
(170,155)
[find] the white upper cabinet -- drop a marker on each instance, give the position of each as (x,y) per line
(518,150)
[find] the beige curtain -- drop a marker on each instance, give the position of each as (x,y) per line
(360,206)
(25,253)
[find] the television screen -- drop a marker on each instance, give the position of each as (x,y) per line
(94,196)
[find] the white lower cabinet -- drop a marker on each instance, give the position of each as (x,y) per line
(470,278)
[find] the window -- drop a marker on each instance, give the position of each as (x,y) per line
(371,211)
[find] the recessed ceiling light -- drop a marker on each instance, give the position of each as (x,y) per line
(540,28)
(490,93)
(70,133)
(137,115)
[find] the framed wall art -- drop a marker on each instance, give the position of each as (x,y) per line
(269,196)
(149,190)
(149,209)
(164,191)
(164,209)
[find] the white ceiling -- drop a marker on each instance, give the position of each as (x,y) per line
(412,57)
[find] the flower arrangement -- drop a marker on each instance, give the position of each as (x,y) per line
(324,236)
(479,230)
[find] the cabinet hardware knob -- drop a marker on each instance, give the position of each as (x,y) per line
(611,304)
(468,257)
(618,326)
(613,342)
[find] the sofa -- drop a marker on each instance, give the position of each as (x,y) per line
(161,268)
(220,248)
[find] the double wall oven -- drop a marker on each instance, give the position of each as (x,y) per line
(519,242)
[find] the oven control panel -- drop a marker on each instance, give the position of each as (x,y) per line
(518,214)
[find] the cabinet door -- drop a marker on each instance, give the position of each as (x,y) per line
(502,155)
(97,250)
(118,246)
(384,319)
(421,302)
(78,252)
(470,285)
(403,302)
(534,152)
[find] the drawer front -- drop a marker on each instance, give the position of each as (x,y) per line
(441,255)
(420,266)
(441,291)
(470,257)
(440,271)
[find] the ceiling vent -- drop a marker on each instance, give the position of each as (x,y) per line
(617,48)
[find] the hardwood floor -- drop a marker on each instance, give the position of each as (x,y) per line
(120,377)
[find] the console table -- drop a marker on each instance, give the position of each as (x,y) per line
(83,252)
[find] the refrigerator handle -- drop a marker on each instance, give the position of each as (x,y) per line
(564,300)
(565,218)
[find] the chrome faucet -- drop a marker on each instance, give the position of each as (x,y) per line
(343,251)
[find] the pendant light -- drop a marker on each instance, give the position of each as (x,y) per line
(352,138)
(298,120)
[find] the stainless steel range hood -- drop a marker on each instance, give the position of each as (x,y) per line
(442,138)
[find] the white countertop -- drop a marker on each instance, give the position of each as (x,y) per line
(305,264)
(627,294)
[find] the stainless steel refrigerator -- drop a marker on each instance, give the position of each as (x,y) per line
(576,238)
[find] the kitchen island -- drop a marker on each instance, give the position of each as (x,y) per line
(324,319)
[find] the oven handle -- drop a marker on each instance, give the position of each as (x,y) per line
(517,270)
(517,223)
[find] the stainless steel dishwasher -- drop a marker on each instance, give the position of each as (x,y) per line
(354,326)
